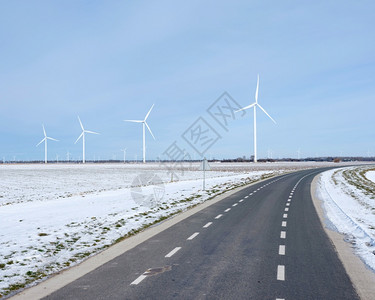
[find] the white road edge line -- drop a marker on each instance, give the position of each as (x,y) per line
(173,252)
(139,279)
(281,272)
(208,224)
(192,236)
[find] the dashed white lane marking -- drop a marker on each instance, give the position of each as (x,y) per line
(139,279)
(246,197)
(228,209)
(281,272)
(280,298)
(290,196)
(281,249)
(192,236)
(208,224)
(287,204)
(235,204)
(285,216)
(218,216)
(283,223)
(289,200)
(240,200)
(250,194)
(283,234)
(173,252)
(286,209)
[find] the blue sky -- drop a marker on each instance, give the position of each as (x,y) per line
(107,61)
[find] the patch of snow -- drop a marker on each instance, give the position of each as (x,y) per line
(349,207)
(371,175)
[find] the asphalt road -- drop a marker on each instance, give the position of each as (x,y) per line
(264,242)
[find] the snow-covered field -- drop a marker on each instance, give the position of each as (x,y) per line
(348,197)
(54,216)
(370,175)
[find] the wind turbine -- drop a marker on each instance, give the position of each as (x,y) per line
(124,150)
(144,123)
(45,143)
(83,139)
(255,105)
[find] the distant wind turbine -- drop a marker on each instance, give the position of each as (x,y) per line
(83,139)
(124,150)
(255,105)
(144,123)
(45,143)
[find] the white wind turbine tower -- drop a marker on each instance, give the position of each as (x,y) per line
(255,105)
(124,150)
(144,123)
(83,139)
(45,143)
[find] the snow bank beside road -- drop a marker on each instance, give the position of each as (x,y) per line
(349,203)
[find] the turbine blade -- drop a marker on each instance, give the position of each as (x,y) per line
(52,139)
(44,131)
(134,121)
(40,142)
(149,129)
(88,131)
(257,91)
(79,138)
(246,107)
(80,123)
(266,113)
(149,112)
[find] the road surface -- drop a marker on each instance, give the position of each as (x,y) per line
(263,242)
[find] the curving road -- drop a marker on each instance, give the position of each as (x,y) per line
(263,242)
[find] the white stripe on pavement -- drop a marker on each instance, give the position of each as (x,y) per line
(192,236)
(282,250)
(281,272)
(173,252)
(208,224)
(138,280)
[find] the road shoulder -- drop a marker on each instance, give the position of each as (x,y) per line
(361,276)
